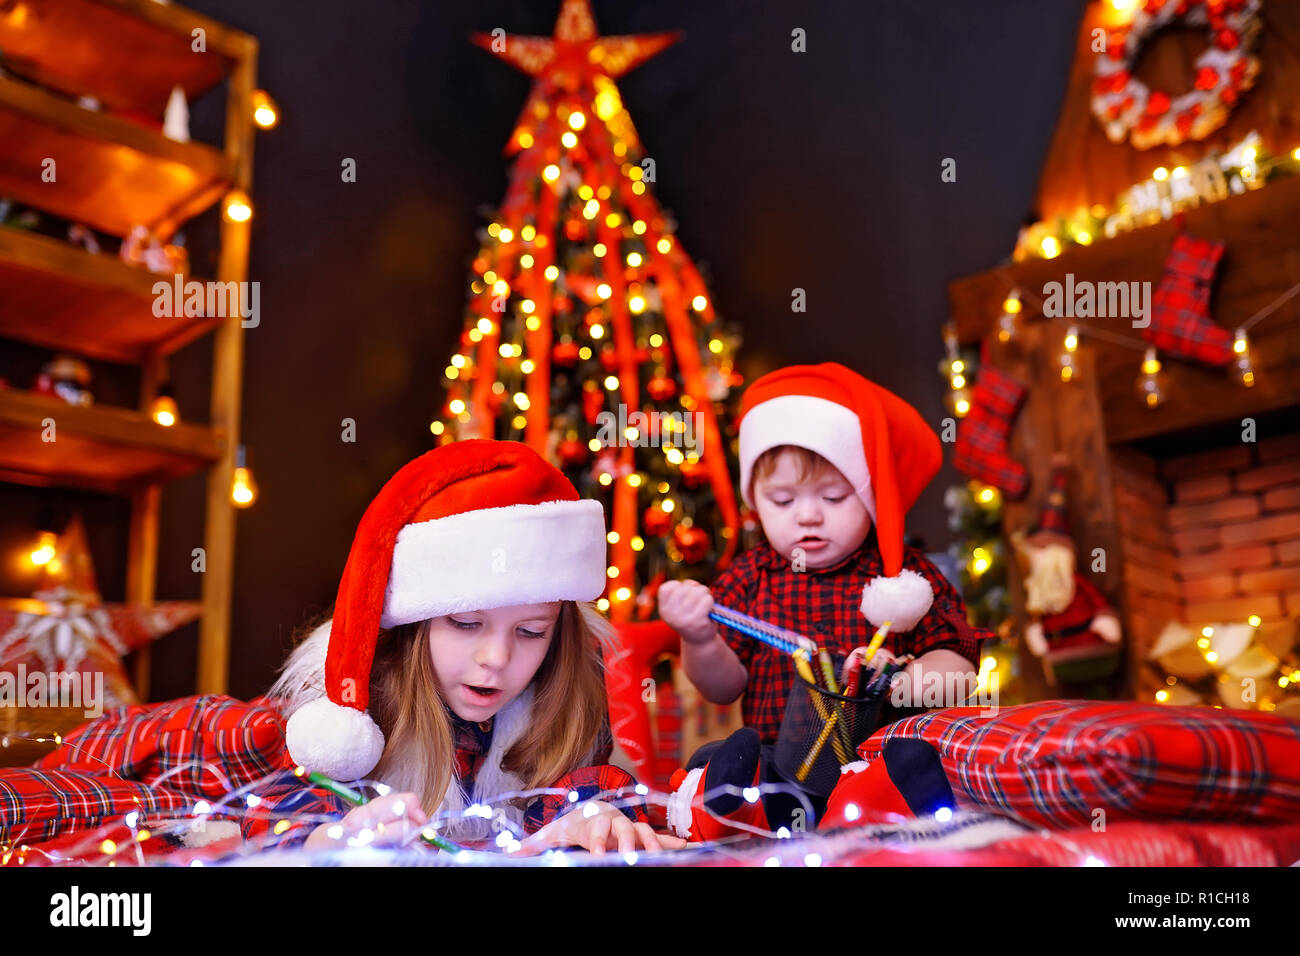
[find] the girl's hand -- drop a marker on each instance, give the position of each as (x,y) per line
(394,819)
(597,826)
(684,606)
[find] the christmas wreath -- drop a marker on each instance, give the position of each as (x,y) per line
(1128,108)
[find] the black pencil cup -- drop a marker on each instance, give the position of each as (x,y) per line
(809,756)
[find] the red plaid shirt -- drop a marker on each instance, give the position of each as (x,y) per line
(825,604)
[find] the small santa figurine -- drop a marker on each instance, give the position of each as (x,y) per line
(1071,621)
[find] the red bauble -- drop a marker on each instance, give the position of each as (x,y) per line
(565,353)
(572,452)
(609,359)
(1207,78)
(593,403)
(694,473)
(693,543)
(656,521)
(1227,39)
(574,230)
(661,388)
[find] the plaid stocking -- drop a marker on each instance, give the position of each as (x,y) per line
(1180,309)
(981,449)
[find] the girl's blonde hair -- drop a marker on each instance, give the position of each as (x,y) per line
(567,715)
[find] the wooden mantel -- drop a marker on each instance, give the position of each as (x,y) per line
(1262,231)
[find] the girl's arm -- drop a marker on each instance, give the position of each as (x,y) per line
(288,812)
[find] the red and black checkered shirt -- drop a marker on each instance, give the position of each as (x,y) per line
(825,604)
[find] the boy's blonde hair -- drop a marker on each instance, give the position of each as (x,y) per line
(567,714)
(809,464)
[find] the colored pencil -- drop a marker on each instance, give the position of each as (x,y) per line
(357,800)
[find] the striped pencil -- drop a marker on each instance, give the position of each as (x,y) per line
(778,637)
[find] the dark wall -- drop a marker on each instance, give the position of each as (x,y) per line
(818,170)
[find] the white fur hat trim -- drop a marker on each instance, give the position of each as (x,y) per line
(901,600)
(338,741)
(818,424)
(494,557)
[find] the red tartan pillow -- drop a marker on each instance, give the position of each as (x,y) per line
(1053,763)
(36,805)
(204,746)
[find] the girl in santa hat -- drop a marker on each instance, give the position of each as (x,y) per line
(461,666)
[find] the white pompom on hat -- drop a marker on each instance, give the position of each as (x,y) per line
(471,525)
(878,442)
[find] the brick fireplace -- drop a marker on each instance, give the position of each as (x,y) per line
(1210,536)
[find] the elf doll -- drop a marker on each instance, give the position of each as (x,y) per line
(1074,629)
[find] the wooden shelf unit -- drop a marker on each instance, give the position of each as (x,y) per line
(114,450)
(115,170)
(61,297)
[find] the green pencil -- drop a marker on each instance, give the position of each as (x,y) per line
(357,800)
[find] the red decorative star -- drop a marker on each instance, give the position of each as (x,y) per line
(574,61)
(66,627)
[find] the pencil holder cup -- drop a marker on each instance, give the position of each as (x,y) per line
(820,732)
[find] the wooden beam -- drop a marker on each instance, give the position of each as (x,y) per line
(227,378)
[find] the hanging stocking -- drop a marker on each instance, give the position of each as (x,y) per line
(1180,310)
(982,436)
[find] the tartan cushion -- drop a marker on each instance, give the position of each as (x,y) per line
(203,746)
(36,805)
(1053,763)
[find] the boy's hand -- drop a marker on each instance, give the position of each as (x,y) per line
(684,606)
(878,660)
(597,826)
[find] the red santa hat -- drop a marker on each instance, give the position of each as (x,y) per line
(878,442)
(471,525)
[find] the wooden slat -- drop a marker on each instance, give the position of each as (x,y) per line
(58,296)
(61,44)
(101,448)
(111,174)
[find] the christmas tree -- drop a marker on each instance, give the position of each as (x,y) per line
(589,333)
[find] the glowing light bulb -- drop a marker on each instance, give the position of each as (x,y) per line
(238,207)
(699,303)
(1254,620)
(265,113)
(1160,174)
(44,550)
(604,291)
(551,173)
(577,120)
(1051,247)
(243,492)
(569,140)
(664,244)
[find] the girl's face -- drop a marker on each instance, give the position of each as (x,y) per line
(485,659)
(820,518)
